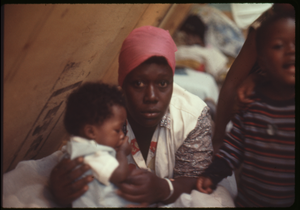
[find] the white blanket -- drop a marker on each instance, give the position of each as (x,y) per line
(27,185)
(199,83)
(219,198)
(214,60)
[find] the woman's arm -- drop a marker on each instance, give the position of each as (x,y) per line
(235,77)
(62,181)
(182,185)
(196,152)
(145,187)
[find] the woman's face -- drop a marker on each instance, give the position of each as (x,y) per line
(148,90)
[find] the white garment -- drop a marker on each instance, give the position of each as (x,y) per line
(101,158)
(103,162)
(213,59)
(184,111)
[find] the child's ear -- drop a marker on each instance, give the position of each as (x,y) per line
(89,131)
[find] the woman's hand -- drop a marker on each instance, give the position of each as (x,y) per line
(246,90)
(244,93)
(62,180)
(205,185)
(143,187)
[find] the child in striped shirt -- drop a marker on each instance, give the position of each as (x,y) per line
(262,140)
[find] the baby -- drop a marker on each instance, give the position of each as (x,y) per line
(96,118)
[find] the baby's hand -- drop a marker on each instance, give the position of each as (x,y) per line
(125,146)
(205,185)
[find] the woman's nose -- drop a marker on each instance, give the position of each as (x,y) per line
(150,94)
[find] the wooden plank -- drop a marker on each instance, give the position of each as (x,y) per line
(154,15)
(175,17)
(48,51)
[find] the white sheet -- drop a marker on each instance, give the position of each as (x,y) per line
(27,185)
(219,198)
(213,59)
(199,83)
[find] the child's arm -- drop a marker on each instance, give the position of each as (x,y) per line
(216,171)
(205,185)
(122,171)
(229,157)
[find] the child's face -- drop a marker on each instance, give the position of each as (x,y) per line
(110,132)
(277,55)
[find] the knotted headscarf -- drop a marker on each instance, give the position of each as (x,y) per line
(143,43)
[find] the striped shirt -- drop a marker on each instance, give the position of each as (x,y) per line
(262,139)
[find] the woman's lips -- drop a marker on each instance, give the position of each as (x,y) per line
(151,114)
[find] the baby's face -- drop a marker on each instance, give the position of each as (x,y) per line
(277,55)
(110,132)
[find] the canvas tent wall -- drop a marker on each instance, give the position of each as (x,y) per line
(50,49)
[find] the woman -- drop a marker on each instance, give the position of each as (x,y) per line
(169,128)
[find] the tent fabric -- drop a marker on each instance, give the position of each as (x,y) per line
(245,14)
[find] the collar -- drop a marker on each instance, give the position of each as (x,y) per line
(166,120)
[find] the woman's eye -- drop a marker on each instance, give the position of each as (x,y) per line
(163,84)
(138,83)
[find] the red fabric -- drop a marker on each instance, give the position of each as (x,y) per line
(153,146)
(143,43)
(201,68)
(134,146)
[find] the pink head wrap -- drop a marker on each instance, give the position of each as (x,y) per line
(143,43)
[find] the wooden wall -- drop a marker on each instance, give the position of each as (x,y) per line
(50,49)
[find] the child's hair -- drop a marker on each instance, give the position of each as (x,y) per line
(91,104)
(262,32)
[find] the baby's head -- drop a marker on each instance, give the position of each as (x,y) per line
(275,42)
(96,111)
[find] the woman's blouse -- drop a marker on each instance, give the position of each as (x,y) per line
(181,144)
